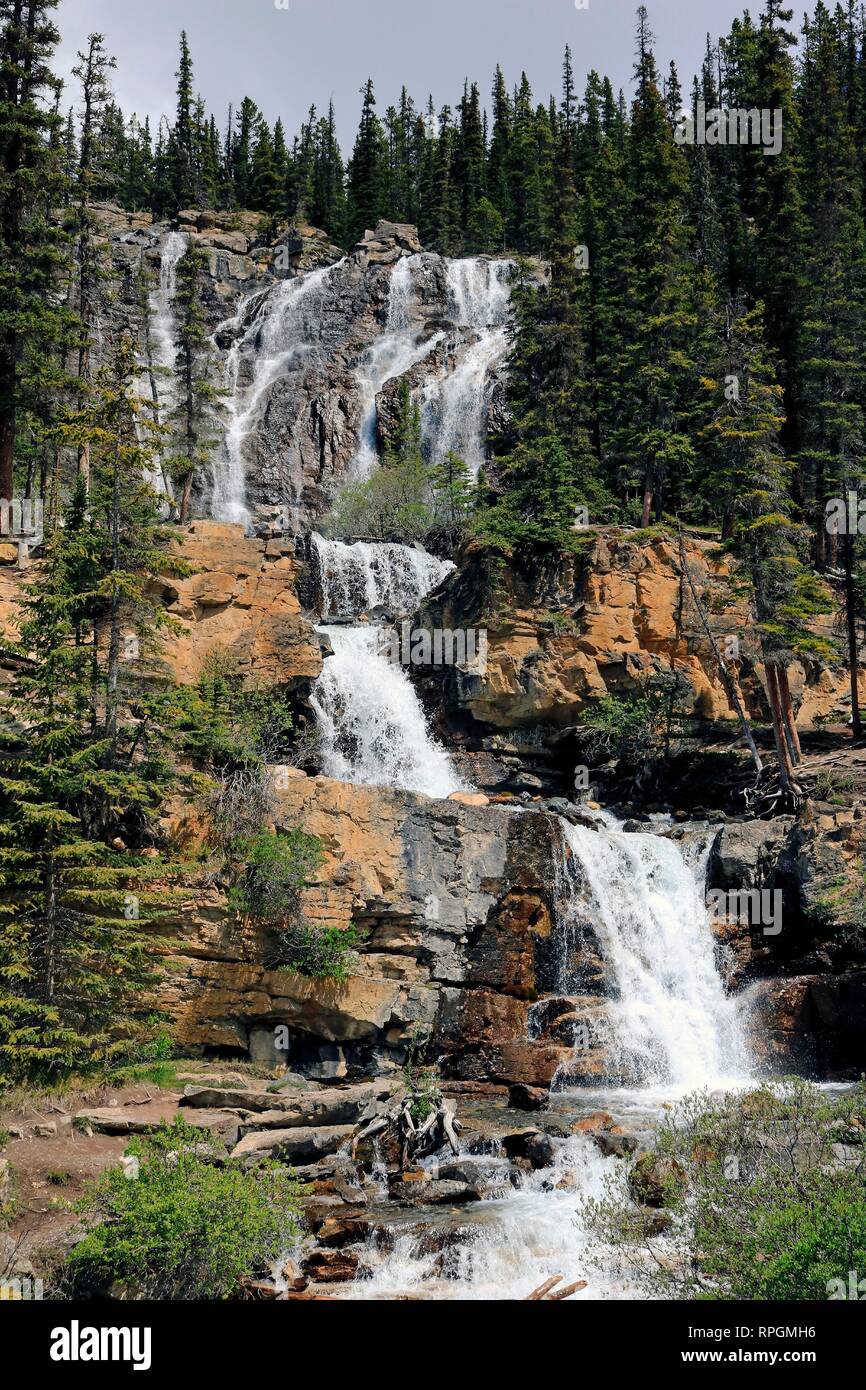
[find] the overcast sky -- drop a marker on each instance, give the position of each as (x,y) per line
(288,59)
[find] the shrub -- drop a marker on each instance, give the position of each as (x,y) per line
(184,1229)
(278,867)
(323,953)
(759,1205)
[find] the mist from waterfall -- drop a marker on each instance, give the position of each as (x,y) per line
(455,407)
(644,894)
(392,355)
(284,329)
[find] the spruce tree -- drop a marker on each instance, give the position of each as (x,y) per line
(33,249)
(368,170)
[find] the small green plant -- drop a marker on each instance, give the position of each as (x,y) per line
(322,953)
(186,1228)
(278,868)
(831,786)
(58,1177)
(422,1083)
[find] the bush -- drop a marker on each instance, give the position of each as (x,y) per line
(184,1229)
(322,953)
(278,868)
(759,1206)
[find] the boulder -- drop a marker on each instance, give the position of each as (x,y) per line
(523,1097)
(434,1192)
(304,1144)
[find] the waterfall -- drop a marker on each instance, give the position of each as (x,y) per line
(373,729)
(644,894)
(365,576)
(392,355)
(164,340)
(455,408)
(284,329)
(163,320)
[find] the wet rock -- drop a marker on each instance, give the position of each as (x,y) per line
(522,1097)
(328,1266)
(434,1192)
(342,1230)
(615,1145)
(656,1180)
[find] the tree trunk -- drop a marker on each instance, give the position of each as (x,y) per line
(788,711)
(851,628)
(647,503)
(7,454)
(785,769)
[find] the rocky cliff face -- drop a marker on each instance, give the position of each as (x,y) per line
(463,946)
(602,621)
(311,346)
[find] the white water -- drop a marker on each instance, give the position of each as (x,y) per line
(163,323)
(373,728)
(392,355)
(455,408)
(285,328)
(368,575)
(504,1247)
(673,1023)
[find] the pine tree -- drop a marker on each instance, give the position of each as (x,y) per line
(90,773)
(92,70)
(368,170)
(32,247)
(182,146)
(193,420)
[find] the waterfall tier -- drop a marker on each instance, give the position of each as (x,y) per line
(363,577)
(644,895)
(373,729)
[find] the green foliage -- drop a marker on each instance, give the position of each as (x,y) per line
(636,726)
(185,1228)
(759,1210)
(278,867)
(320,953)
(406,500)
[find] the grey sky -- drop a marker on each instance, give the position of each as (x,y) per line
(317,49)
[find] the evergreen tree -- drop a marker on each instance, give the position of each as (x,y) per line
(192,424)
(368,170)
(33,325)
(182,153)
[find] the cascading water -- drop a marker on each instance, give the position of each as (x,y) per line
(164,321)
(392,355)
(365,576)
(371,723)
(373,728)
(673,1023)
(455,408)
(164,341)
(644,896)
(284,328)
